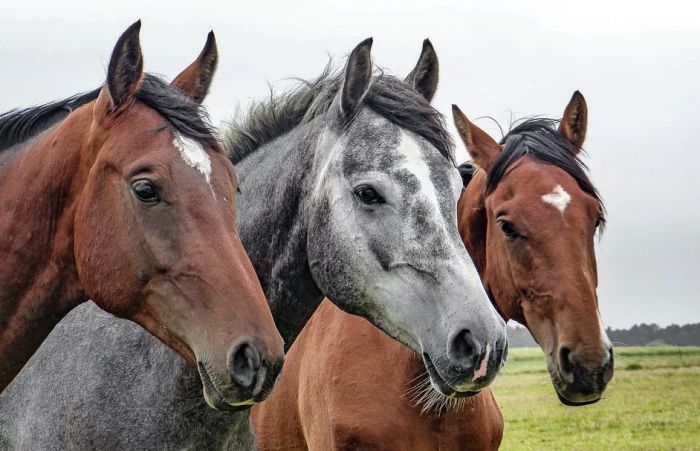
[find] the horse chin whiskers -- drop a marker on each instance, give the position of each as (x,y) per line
(431,402)
(211,382)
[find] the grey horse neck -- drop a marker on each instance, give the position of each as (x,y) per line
(273,227)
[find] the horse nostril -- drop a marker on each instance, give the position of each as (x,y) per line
(611,357)
(565,360)
(243,364)
(463,349)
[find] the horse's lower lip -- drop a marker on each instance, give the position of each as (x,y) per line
(570,403)
(439,383)
(214,398)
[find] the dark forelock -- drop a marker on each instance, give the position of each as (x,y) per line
(540,139)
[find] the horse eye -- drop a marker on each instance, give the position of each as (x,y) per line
(145,191)
(508,229)
(368,195)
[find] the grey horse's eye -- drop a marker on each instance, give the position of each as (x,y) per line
(368,195)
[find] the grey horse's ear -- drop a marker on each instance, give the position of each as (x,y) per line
(358,74)
(196,79)
(424,77)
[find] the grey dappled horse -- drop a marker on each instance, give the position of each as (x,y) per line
(348,190)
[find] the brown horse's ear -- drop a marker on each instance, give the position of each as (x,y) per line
(196,79)
(575,121)
(358,74)
(424,77)
(125,68)
(481,147)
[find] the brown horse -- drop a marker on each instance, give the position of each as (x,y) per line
(130,201)
(528,218)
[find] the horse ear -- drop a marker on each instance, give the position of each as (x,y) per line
(125,67)
(358,74)
(424,77)
(481,147)
(575,121)
(196,79)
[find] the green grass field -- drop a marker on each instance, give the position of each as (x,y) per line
(653,402)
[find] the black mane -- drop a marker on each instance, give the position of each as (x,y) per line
(17,126)
(539,139)
(183,115)
(388,96)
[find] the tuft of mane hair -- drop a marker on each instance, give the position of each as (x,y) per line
(181,113)
(466,171)
(540,139)
(17,126)
(388,96)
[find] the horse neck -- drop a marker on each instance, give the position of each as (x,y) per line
(273,227)
(39,282)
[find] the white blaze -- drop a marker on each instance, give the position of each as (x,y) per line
(194,155)
(415,164)
(558,198)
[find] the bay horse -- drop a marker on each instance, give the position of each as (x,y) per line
(124,196)
(528,218)
(348,190)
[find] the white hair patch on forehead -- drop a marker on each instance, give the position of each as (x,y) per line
(558,198)
(194,155)
(414,163)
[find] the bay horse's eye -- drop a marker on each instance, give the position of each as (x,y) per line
(510,232)
(145,191)
(368,195)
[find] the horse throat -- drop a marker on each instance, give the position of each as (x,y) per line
(275,182)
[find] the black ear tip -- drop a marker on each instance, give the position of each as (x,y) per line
(427,44)
(366,43)
(135,27)
(211,40)
(131,33)
(455,109)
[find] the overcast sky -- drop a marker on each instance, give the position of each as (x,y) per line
(637,64)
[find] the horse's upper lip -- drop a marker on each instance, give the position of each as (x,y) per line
(213,396)
(439,383)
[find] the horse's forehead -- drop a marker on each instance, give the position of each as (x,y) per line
(371,145)
(149,135)
(194,155)
(375,144)
(545,187)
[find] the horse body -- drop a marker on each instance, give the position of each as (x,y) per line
(28,417)
(528,219)
(340,413)
(339,179)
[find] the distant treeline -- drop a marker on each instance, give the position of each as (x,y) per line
(637,335)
